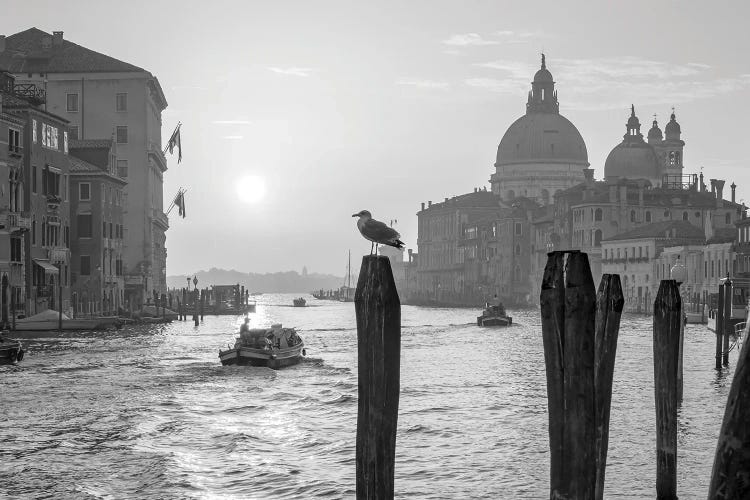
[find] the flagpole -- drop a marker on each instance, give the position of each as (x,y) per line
(179,192)
(171,137)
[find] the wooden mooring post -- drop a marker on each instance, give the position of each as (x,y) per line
(719,326)
(667,323)
(730,477)
(579,329)
(378,312)
(728,328)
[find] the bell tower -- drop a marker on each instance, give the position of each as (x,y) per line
(543,96)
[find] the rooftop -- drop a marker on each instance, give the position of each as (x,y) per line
(671,229)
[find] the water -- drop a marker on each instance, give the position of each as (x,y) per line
(151,413)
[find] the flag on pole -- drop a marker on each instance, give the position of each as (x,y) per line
(179,201)
(175,142)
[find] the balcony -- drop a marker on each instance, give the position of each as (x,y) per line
(58,254)
(32,93)
(53,202)
(156,153)
(15,151)
(160,218)
(15,221)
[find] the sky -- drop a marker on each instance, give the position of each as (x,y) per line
(298,114)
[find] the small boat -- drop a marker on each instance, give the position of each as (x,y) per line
(272,347)
(299,302)
(11,351)
(50,320)
(494,316)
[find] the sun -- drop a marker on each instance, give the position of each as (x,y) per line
(251,189)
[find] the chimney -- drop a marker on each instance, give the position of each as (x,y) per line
(2,44)
(734,187)
(446,200)
(422,205)
(475,190)
(701,186)
(713,187)
(57,38)
(588,174)
(719,192)
(429,203)
(410,253)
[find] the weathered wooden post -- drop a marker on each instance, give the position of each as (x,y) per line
(203,302)
(179,309)
(730,477)
(609,304)
(378,312)
(568,304)
(719,325)
(728,328)
(667,320)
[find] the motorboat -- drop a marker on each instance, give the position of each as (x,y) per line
(494,315)
(50,320)
(273,347)
(299,302)
(11,351)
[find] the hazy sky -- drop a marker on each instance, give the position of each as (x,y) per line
(350,105)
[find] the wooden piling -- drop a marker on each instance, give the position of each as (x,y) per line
(667,320)
(568,302)
(728,328)
(719,325)
(730,477)
(609,304)
(378,312)
(203,302)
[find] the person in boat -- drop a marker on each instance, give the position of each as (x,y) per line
(245,325)
(497,305)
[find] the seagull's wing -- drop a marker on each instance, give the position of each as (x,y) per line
(377,231)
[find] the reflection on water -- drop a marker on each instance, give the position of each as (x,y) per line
(152,410)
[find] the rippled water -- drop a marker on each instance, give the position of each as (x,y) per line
(151,413)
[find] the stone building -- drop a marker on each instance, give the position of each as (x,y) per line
(542,152)
(101,96)
(13,222)
(96,207)
(45,200)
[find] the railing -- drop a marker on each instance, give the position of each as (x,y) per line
(15,150)
(57,254)
(30,92)
(160,217)
(15,221)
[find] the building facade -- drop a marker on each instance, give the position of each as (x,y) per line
(97,199)
(100,97)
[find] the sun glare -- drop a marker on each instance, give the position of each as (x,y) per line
(251,189)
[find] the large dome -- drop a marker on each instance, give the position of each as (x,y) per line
(542,137)
(632,160)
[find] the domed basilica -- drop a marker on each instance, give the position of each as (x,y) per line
(542,152)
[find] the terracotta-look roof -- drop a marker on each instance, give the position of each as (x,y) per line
(34,51)
(79,165)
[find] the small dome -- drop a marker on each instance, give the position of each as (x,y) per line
(543,75)
(673,128)
(654,133)
(632,160)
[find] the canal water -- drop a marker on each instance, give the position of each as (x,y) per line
(150,413)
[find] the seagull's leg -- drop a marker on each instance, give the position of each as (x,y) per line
(371,245)
(376,249)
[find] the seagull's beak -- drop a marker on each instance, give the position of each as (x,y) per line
(355,215)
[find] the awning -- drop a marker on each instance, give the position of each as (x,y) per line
(48,268)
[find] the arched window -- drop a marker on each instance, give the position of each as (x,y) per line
(632,216)
(666,214)
(677,158)
(598,214)
(684,216)
(672,158)
(598,238)
(648,216)
(518,249)
(697,215)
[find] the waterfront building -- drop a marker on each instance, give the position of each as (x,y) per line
(398,267)
(13,222)
(96,208)
(742,246)
(101,96)
(542,152)
(45,198)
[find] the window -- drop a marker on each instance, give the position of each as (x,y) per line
(85,265)
(33,131)
(51,181)
(666,214)
(104,229)
(121,102)
(518,228)
(84,191)
(65,141)
(73,135)
(85,228)
(14,141)
(15,249)
(684,216)
(598,214)
(632,216)
(33,231)
(72,103)
(110,230)
(122,135)
(518,249)
(648,216)
(598,238)
(728,219)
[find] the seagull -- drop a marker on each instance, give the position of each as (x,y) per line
(377,232)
